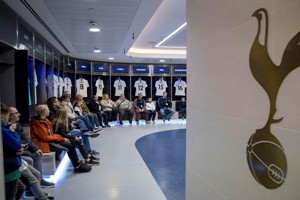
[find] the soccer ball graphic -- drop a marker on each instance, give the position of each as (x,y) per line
(266,159)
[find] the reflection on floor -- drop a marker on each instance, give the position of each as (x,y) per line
(122,174)
(164,155)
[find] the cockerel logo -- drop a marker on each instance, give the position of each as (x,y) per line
(265,155)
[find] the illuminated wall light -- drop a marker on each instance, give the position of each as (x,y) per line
(173,33)
(162,61)
(110,58)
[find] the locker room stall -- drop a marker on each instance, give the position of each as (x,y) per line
(161,81)
(179,84)
(69,76)
(120,81)
(101,79)
(140,81)
(83,79)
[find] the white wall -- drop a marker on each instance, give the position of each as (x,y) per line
(226,104)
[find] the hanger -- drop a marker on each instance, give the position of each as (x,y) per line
(140,79)
(99,77)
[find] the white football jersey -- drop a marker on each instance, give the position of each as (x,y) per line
(67,84)
(140,87)
(55,85)
(81,86)
(60,86)
(180,86)
(100,85)
(36,83)
(161,86)
(50,85)
(120,87)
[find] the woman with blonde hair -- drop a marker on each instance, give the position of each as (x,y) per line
(62,127)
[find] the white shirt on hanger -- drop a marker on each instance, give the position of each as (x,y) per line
(67,84)
(36,83)
(140,87)
(100,85)
(81,86)
(55,85)
(60,86)
(161,86)
(180,86)
(119,86)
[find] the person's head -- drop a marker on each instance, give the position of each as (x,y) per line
(79,97)
(149,100)
(60,118)
(95,98)
(122,96)
(165,94)
(65,98)
(105,96)
(140,95)
(42,110)
(78,102)
(14,115)
(52,102)
(5,113)
(67,94)
(182,99)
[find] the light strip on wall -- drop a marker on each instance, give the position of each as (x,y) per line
(173,33)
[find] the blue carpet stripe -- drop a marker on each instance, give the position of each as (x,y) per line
(164,154)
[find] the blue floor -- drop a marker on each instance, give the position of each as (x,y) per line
(164,154)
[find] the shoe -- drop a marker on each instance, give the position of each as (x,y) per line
(94,135)
(82,168)
(148,122)
(121,123)
(97,130)
(103,126)
(46,184)
(107,125)
(137,123)
(92,162)
(29,195)
(94,157)
(88,133)
(94,153)
(164,120)
(168,119)
(153,122)
(130,122)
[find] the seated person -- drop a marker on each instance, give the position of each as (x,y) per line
(182,108)
(62,127)
(31,150)
(140,107)
(86,112)
(41,133)
(150,106)
(109,107)
(12,149)
(165,107)
(124,106)
(95,107)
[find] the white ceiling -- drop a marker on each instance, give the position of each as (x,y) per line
(149,21)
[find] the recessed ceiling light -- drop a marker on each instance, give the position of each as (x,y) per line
(94,27)
(110,58)
(97,50)
(162,61)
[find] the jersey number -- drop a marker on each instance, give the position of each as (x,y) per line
(180,87)
(81,86)
(119,87)
(141,87)
(161,87)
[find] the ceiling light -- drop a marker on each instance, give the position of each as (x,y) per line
(94,27)
(173,33)
(97,50)
(162,61)
(110,58)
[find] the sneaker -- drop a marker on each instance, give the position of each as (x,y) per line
(93,135)
(94,157)
(82,168)
(137,123)
(93,162)
(46,184)
(121,123)
(153,122)
(148,122)
(29,195)
(107,125)
(88,133)
(94,153)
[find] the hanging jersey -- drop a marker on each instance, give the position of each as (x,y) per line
(100,85)
(140,87)
(36,83)
(50,87)
(180,86)
(60,86)
(120,87)
(81,86)
(161,87)
(55,85)
(67,84)
(29,94)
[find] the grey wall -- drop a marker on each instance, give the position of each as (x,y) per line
(226,103)
(8,25)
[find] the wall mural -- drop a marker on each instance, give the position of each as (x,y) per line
(265,155)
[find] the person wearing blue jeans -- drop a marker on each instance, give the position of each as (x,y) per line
(165,107)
